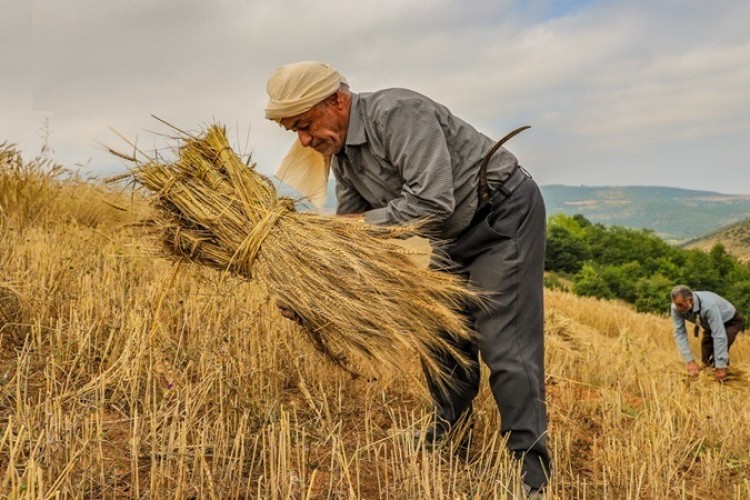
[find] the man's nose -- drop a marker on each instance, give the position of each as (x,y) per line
(304,138)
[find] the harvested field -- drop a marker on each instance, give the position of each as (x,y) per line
(126,378)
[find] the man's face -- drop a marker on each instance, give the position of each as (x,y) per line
(682,304)
(323,127)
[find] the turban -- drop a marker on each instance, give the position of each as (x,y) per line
(296,88)
(292,90)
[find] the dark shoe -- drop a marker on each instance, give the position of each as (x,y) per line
(534,493)
(435,434)
(444,434)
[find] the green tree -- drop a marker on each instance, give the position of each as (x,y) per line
(566,252)
(618,245)
(698,272)
(721,262)
(739,295)
(621,280)
(653,293)
(589,282)
(576,224)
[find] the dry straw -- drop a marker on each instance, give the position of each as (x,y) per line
(355,292)
(10,306)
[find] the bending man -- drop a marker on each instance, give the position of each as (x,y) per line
(720,322)
(397,157)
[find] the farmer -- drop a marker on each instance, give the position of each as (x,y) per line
(398,157)
(720,321)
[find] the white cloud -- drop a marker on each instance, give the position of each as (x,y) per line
(617,92)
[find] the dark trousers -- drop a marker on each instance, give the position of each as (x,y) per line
(503,254)
(732,327)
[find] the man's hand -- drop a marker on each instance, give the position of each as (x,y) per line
(288,312)
(720,374)
(693,368)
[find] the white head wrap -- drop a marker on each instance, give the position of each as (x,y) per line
(292,90)
(296,88)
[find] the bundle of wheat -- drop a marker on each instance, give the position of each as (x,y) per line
(355,292)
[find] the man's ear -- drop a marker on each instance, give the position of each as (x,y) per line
(336,100)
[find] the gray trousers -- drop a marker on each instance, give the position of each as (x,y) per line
(731,327)
(503,254)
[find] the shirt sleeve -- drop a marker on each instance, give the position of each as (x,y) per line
(415,145)
(719,336)
(680,336)
(348,200)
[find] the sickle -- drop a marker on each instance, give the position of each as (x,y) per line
(484,191)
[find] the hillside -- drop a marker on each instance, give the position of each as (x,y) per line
(124,375)
(735,238)
(674,214)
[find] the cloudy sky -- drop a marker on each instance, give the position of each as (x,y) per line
(637,92)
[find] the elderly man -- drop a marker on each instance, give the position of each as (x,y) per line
(720,322)
(399,157)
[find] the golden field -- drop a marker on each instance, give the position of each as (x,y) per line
(124,375)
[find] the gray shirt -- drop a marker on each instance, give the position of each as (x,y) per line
(714,311)
(409,158)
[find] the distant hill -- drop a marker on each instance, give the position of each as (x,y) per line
(677,215)
(735,238)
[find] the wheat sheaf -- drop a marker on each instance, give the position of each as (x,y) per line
(355,290)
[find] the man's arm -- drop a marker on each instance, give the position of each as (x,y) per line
(415,144)
(348,200)
(681,337)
